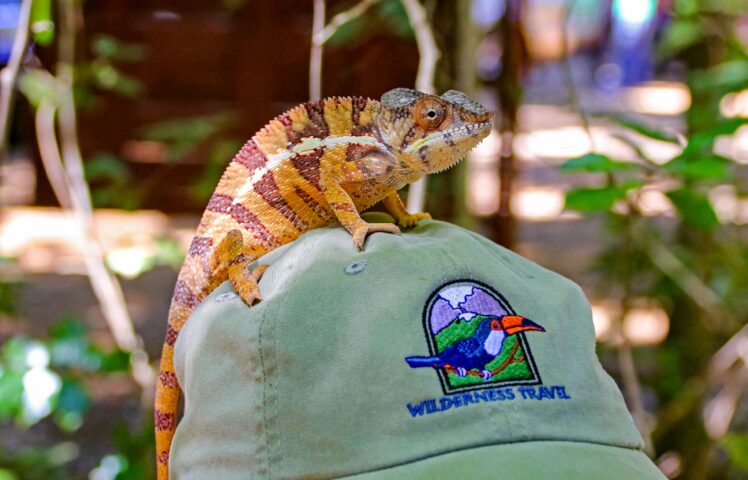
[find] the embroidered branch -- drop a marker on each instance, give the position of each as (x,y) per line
(509,360)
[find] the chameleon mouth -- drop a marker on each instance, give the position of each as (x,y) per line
(470,128)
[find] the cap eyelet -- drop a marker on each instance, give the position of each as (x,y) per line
(356,267)
(225,297)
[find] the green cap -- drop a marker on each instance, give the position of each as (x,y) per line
(435,354)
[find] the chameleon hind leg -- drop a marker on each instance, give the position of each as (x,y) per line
(233,253)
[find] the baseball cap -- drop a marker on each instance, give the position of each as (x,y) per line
(435,354)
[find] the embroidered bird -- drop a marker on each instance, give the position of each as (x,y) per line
(318,164)
(479,350)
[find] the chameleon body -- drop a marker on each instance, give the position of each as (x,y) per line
(318,163)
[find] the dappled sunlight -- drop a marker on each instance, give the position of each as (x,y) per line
(646,325)
(48,239)
(658,98)
(540,203)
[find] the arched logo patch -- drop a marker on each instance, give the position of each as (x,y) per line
(475,339)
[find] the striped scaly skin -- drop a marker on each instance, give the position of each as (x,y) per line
(318,163)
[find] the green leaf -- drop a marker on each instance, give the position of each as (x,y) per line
(42,25)
(116,361)
(593,199)
(6,474)
(726,127)
(731,75)
(643,129)
(694,208)
(711,167)
(72,404)
(594,162)
(69,346)
(109,47)
(108,77)
(702,141)
(15,351)
(680,35)
(169,252)
(736,445)
(11,393)
(106,166)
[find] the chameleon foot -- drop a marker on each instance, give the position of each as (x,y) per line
(411,220)
(245,284)
(364,229)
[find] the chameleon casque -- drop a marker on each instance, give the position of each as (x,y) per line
(318,163)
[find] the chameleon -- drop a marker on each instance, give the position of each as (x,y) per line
(319,163)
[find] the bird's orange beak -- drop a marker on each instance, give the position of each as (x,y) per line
(515,323)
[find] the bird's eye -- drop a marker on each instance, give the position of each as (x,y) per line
(495,325)
(429,113)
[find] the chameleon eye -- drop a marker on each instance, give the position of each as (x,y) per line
(429,113)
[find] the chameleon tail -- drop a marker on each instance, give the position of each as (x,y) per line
(230,259)
(167,387)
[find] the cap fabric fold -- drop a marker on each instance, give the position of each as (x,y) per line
(433,354)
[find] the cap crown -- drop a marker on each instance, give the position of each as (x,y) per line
(314,382)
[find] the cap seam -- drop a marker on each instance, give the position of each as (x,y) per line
(265,360)
(457,450)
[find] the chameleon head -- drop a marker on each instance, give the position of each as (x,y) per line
(431,133)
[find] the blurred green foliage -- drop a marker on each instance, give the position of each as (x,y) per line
(695,265)
(47,379)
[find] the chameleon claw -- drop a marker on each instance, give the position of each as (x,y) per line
(411,220)
(364,229)
(246,286)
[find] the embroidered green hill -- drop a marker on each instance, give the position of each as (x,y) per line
(511,362)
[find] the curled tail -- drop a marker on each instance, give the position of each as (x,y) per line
(230,260)
(418,362)
(167,386)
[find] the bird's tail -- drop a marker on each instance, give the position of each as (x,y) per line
(418,362)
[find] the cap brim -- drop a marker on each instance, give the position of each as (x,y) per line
(527,460)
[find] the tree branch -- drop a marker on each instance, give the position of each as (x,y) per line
(9,75)
(429,55)
(65,171)
(323,35)
(569,75)
(509,360)
(315,55)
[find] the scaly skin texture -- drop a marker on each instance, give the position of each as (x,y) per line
(318,163)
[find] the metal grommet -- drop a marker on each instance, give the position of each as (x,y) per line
(225,297)
(356,267)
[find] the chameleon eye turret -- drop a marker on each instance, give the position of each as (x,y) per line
(429,113)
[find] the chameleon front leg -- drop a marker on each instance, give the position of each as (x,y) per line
(345,210)
(233,254)
(394,204)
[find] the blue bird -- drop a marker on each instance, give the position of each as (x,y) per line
(479,350)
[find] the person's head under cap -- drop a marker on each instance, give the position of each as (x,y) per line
(431,355)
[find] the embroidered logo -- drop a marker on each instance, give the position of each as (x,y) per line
(475,339)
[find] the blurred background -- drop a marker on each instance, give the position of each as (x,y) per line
(619,159)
